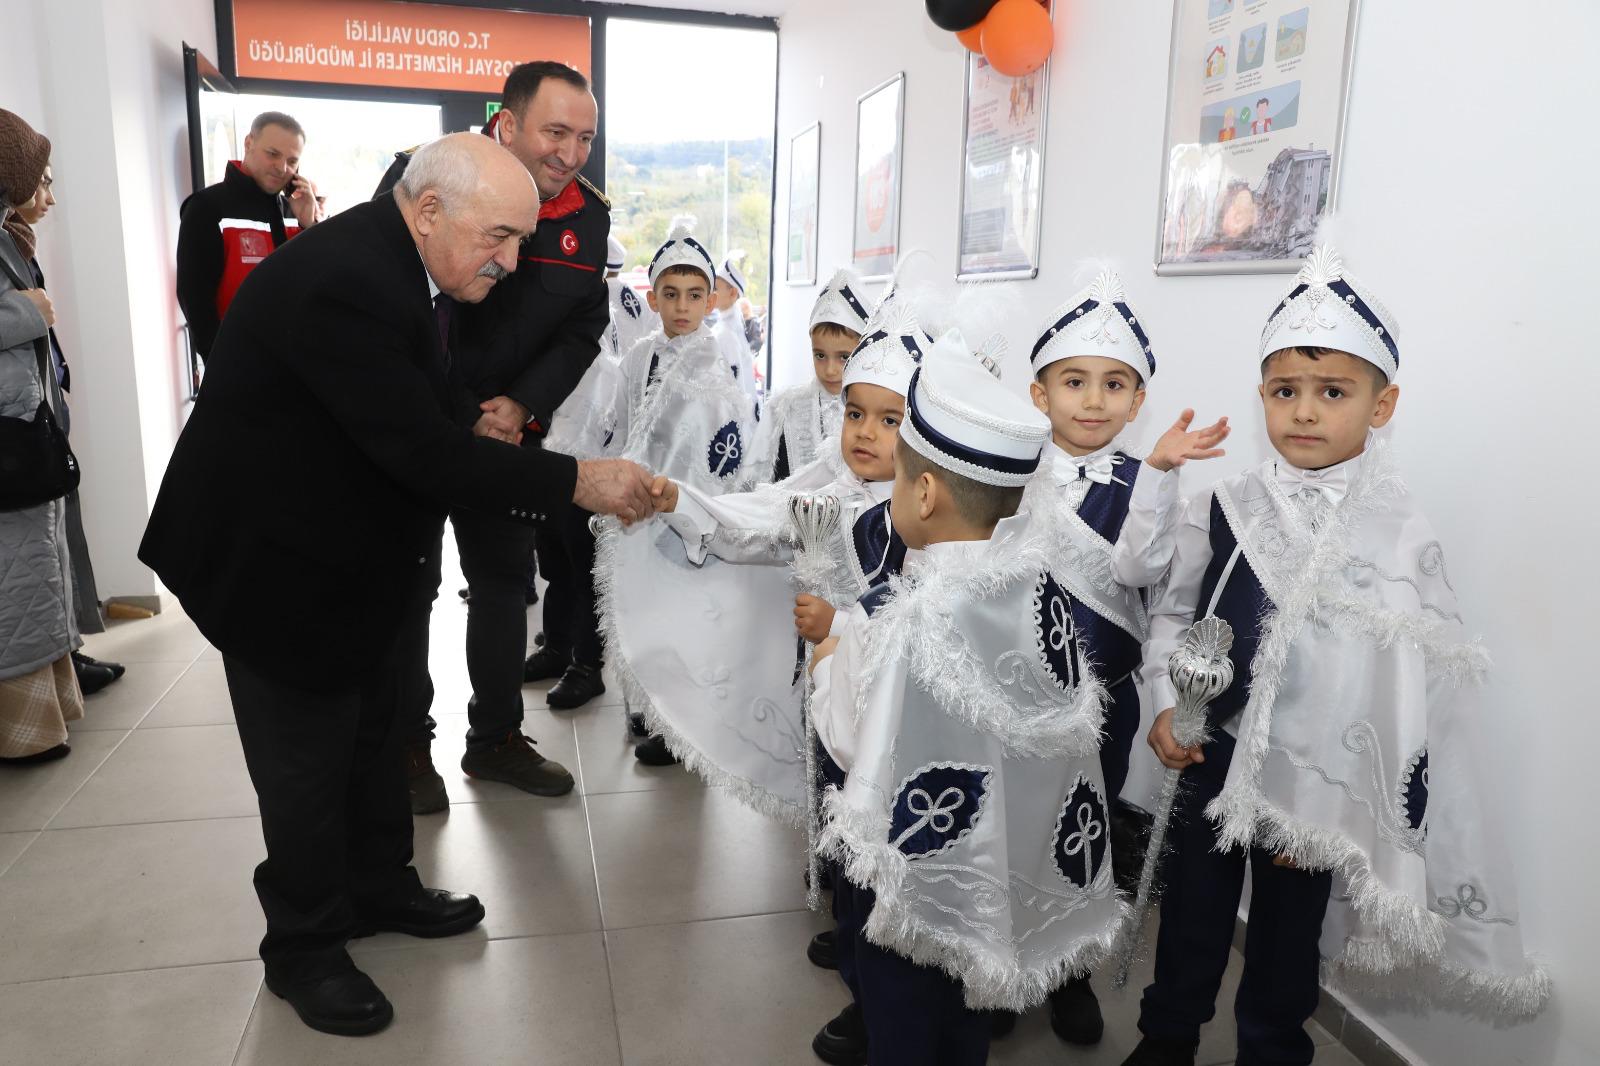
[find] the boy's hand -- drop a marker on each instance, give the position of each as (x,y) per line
(825,649)
(664,494)
(1173,756)
(1179,444)
(813,617)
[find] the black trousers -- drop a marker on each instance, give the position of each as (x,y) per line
(495,553)
(329,774)
(915,1015)
(566,558)
(1199,903)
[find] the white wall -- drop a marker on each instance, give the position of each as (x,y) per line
(1468,184)
(104,80)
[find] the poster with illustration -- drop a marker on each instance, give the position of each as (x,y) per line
(880,121)
(805,150)
(1255,125)
(1002,171)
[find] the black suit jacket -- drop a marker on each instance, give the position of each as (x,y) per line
(303,499)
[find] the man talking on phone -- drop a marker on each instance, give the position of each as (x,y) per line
(230,227)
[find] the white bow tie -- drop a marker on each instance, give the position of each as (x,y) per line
(1101,469)
(1330,484)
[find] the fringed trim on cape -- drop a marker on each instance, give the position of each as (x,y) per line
(858,839)
(758,799)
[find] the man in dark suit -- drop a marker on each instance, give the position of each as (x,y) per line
(295,524)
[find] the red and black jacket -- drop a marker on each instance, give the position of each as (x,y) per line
(225,230)
(536,333)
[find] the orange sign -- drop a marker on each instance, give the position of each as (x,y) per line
(409,46)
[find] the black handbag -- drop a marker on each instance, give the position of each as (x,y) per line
(36,463)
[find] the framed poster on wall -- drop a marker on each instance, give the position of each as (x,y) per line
(1002,171)
(880,126)
(1256,96)
(805,160)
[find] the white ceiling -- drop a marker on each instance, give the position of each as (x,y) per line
(732,7)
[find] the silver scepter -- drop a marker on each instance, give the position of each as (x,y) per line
(815,519)
(1200,671)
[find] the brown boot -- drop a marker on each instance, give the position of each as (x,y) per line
(517,762)
(427,787)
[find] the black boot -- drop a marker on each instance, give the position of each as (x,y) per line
(577,686)
(344,1003)
(654,752)
(843,1041)
(822,952)
(544,664)
(1163,1051)
(1075,1013)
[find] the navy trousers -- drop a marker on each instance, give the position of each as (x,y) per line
(1122,724)
(1199,904)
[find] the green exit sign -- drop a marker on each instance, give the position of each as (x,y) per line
(489,110)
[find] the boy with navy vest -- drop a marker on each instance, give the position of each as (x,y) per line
(1092,364)
(1344,743)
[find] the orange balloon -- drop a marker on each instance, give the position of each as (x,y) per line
(972,37)
(1017,37)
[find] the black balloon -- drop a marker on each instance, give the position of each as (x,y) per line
(956,15)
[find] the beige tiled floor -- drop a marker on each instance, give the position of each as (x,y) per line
(640,920)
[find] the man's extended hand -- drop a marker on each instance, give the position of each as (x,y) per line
(41,301)
(1180,444)
(614,486)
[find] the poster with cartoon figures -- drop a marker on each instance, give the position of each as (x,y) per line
(1002,171)
(880,115)
(1255,124)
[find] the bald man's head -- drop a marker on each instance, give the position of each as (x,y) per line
(468,203)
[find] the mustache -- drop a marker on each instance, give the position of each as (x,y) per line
(494,270)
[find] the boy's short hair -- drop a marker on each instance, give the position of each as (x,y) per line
(833,331)
(1379,379)
(683,270)
(977,504)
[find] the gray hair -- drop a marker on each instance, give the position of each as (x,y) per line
(445,166)
(277,118)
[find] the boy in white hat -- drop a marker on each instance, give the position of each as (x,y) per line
(631,319)
(1092,365)
(796,421)
(1339,769)
(744,740)
(971,824)
(728,324)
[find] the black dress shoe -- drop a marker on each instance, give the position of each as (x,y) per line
(843,1041)
(345,1003)
(822,951)
(92,679)
(1162,1051)
(1075,1013)
(116,669)
(577,686)
(544,664)
(429,912)
(1001,1023)
(654,752)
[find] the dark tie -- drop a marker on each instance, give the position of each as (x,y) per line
(443,306)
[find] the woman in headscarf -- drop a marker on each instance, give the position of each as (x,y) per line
(39,692)
(93,675)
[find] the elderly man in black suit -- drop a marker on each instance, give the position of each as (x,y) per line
(295,524)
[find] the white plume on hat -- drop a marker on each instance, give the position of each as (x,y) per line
(1328,308)
(682,249)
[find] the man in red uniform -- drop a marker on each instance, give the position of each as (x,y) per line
(229,227)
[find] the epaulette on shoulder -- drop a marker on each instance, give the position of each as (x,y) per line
(407,153)
(598,195)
